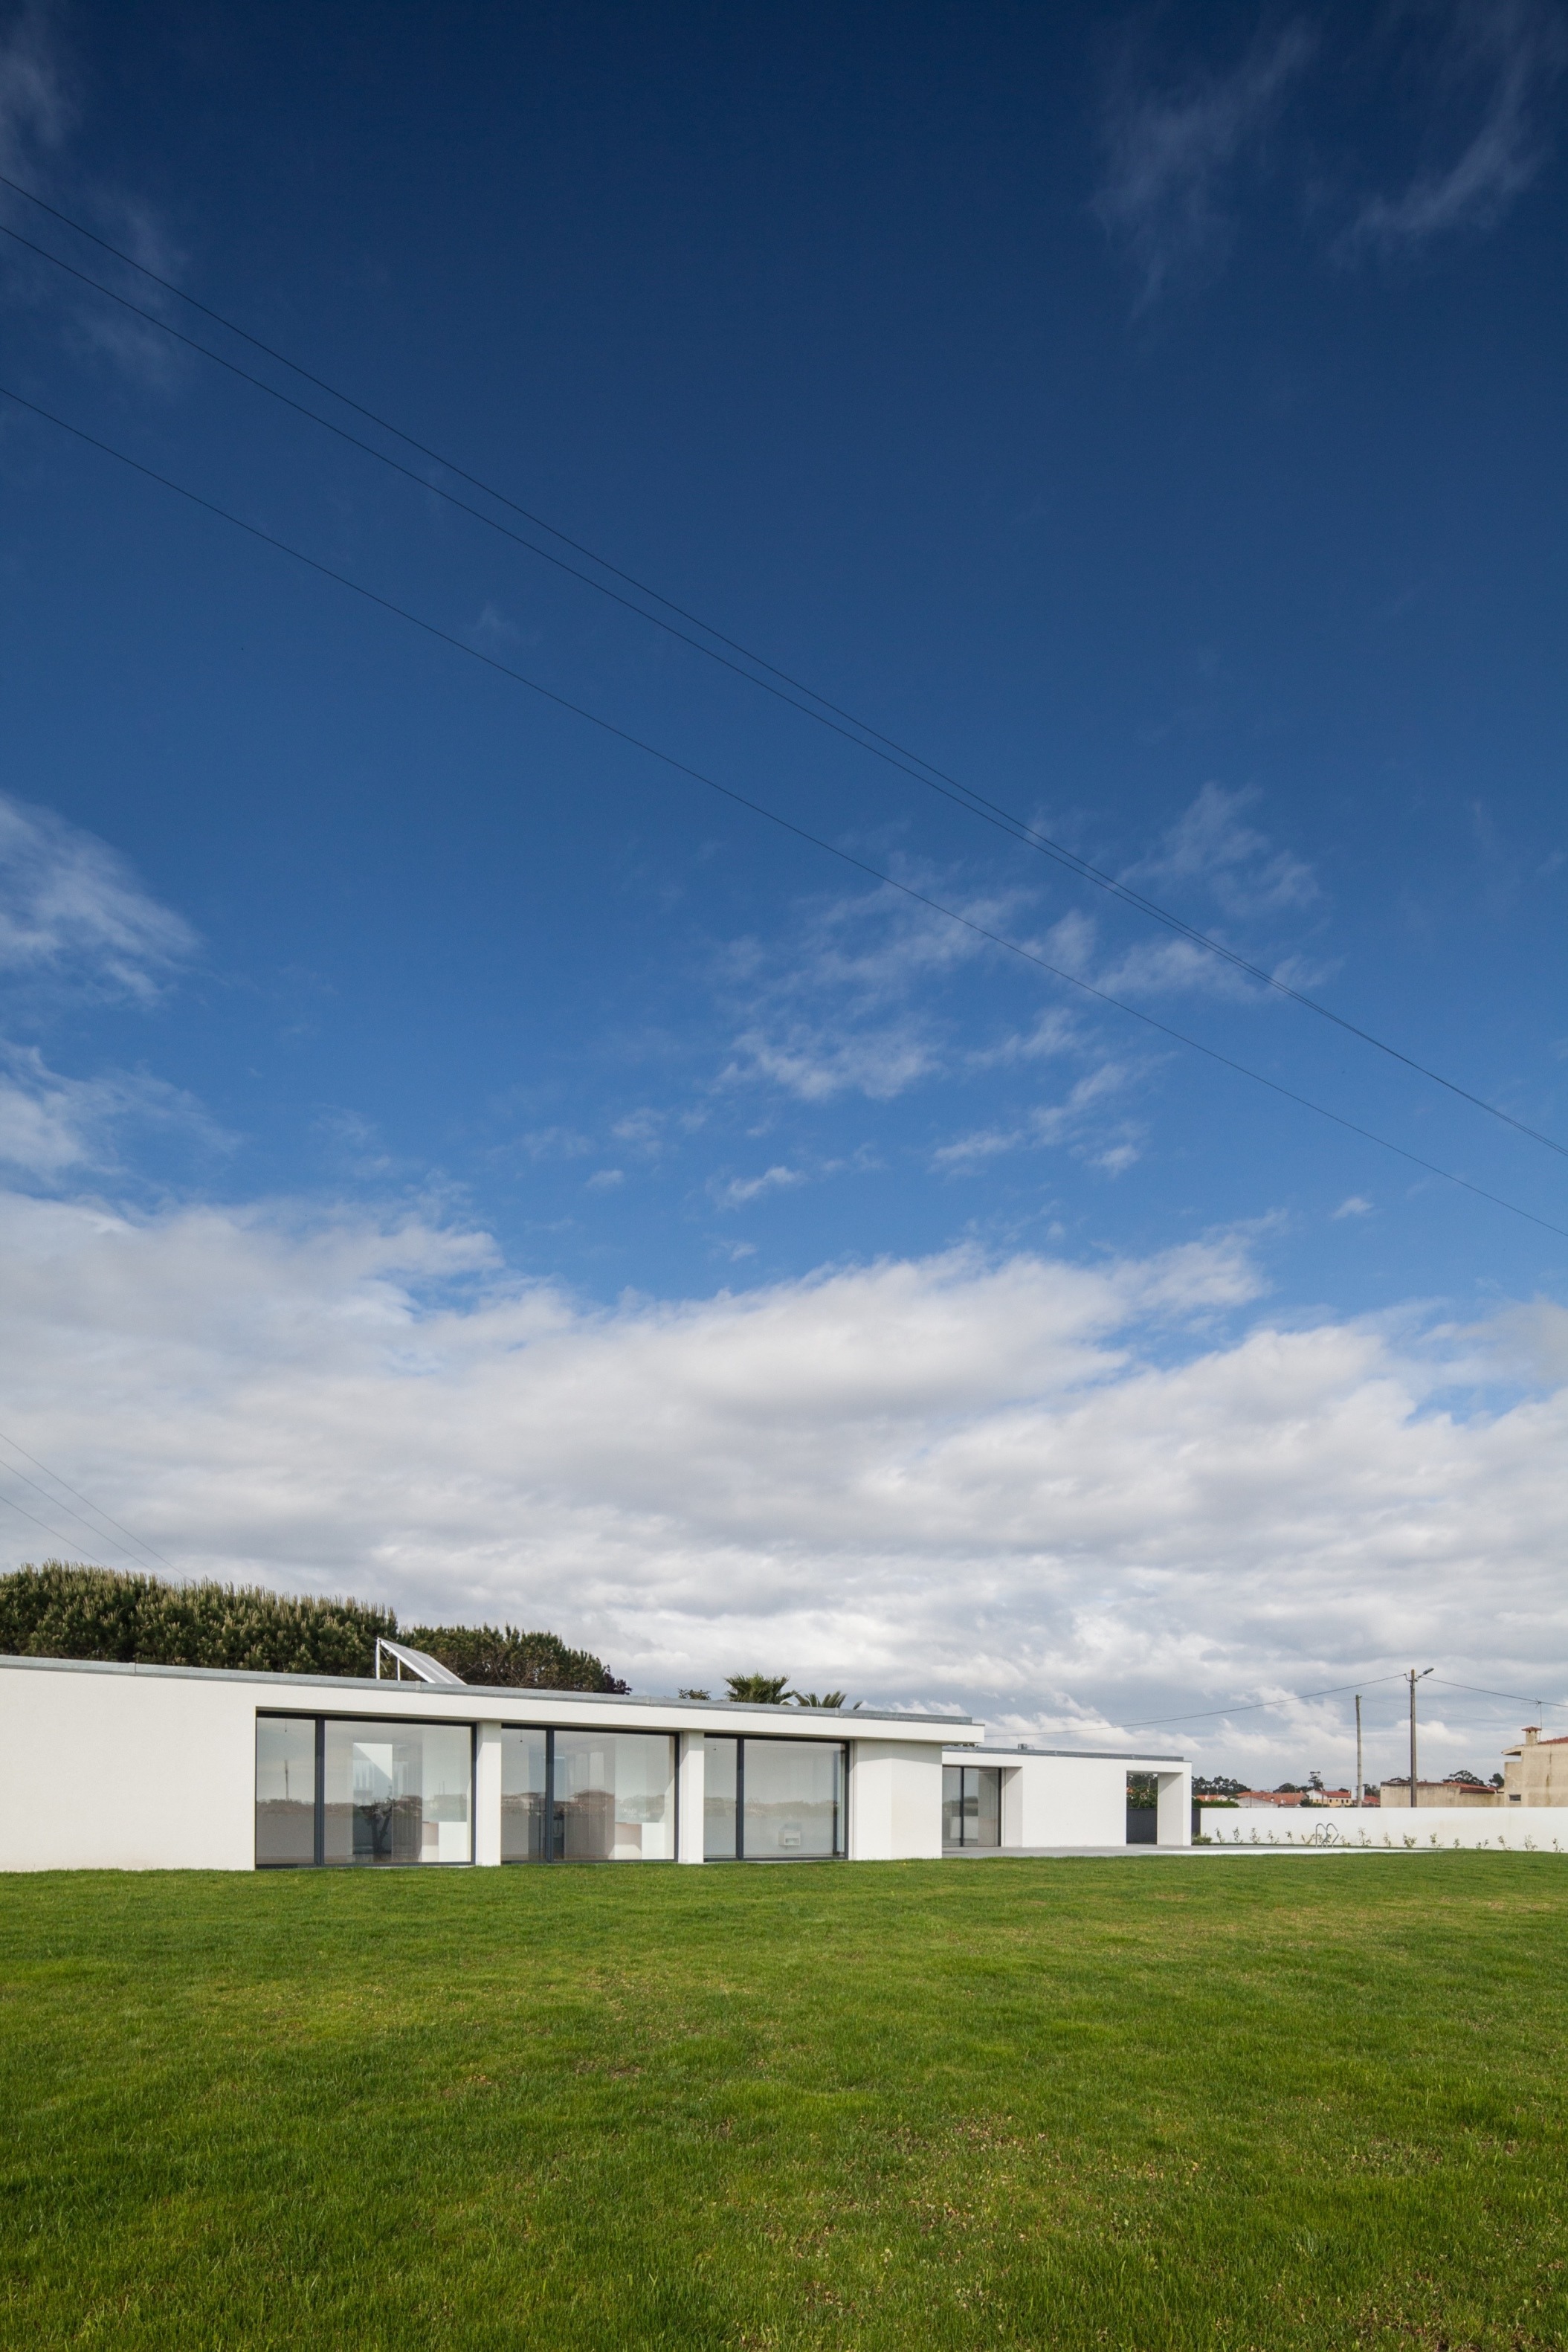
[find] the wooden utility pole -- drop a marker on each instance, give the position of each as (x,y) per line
(1359,1784)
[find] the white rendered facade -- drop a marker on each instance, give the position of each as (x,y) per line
(1049,1798)
(172,1768)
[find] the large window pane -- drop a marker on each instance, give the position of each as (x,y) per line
(523,1757)
(952,1804)
(793,1798)
(398,1792)
(971,1804)
(614,1795)
(718,1803)
(284,1789)
(987,1814)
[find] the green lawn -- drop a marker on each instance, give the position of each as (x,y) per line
(1220,2100)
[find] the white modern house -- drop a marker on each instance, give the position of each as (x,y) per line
(182,1768)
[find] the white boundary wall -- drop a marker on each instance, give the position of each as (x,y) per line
(1512,1828)
(153,1768)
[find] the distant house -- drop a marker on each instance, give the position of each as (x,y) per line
(1446,1793)
(1294,1797)
(1536,1772)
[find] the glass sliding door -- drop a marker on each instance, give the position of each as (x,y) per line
(971,1805)
(987,1814)
(587,1796)
(794,1799)
(719,1815)
(952,1804)
(775,1799)
(525,1794)
(284,1791)
(397,1792)
(614,1795)
(382,1792)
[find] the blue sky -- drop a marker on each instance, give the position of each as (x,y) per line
(1152,420)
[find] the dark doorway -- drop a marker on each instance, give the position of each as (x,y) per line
(1143,1809)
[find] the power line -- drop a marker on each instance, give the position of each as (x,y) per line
(785,824)
(1294,1698)
(12,1505)
(1257,1706)
(138,1540)
(53,1501)
(1553,1705)
(833,716)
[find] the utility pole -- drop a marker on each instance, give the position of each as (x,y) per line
(1412,1678)
(1359,1784)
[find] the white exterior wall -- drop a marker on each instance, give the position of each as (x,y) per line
(895,1801)
(488,1794)
(1514,1829)
(1076,1800)
(118,1771)
(691,1793)
(153,1768)
(1173,1824)
(1060,1799)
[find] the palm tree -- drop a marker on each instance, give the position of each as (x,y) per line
(758,1690)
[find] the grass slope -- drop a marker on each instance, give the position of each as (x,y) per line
(1292,2101)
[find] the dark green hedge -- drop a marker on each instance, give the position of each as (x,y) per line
(501,1654)
(59,1611)
(56,1612)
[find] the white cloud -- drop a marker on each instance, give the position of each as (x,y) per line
(832,1015)
(52,1127)
(1170,152)
(1071,1495)
(817,1064)
(1077,1119)
(740,1190)
(1354,1207)
(35,112)
(1210,845)
(1054,1032)
(73,912)
(1515,52)
(542,1143)
(642,1130)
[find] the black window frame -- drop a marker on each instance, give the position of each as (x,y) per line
(840,1852)
(318,1857)
(961,1844)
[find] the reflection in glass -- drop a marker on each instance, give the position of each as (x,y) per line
(398,1792)
(987,1814)
(284,1789)
(718,1803)
(952,1805)
(793,1798)
(614,1795)
(971,1804)
(524,1760)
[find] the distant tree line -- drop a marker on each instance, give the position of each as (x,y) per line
(55,1611)
(502,1653)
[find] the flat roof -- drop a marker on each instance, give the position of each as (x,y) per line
(488,1691)
(1089,1754)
